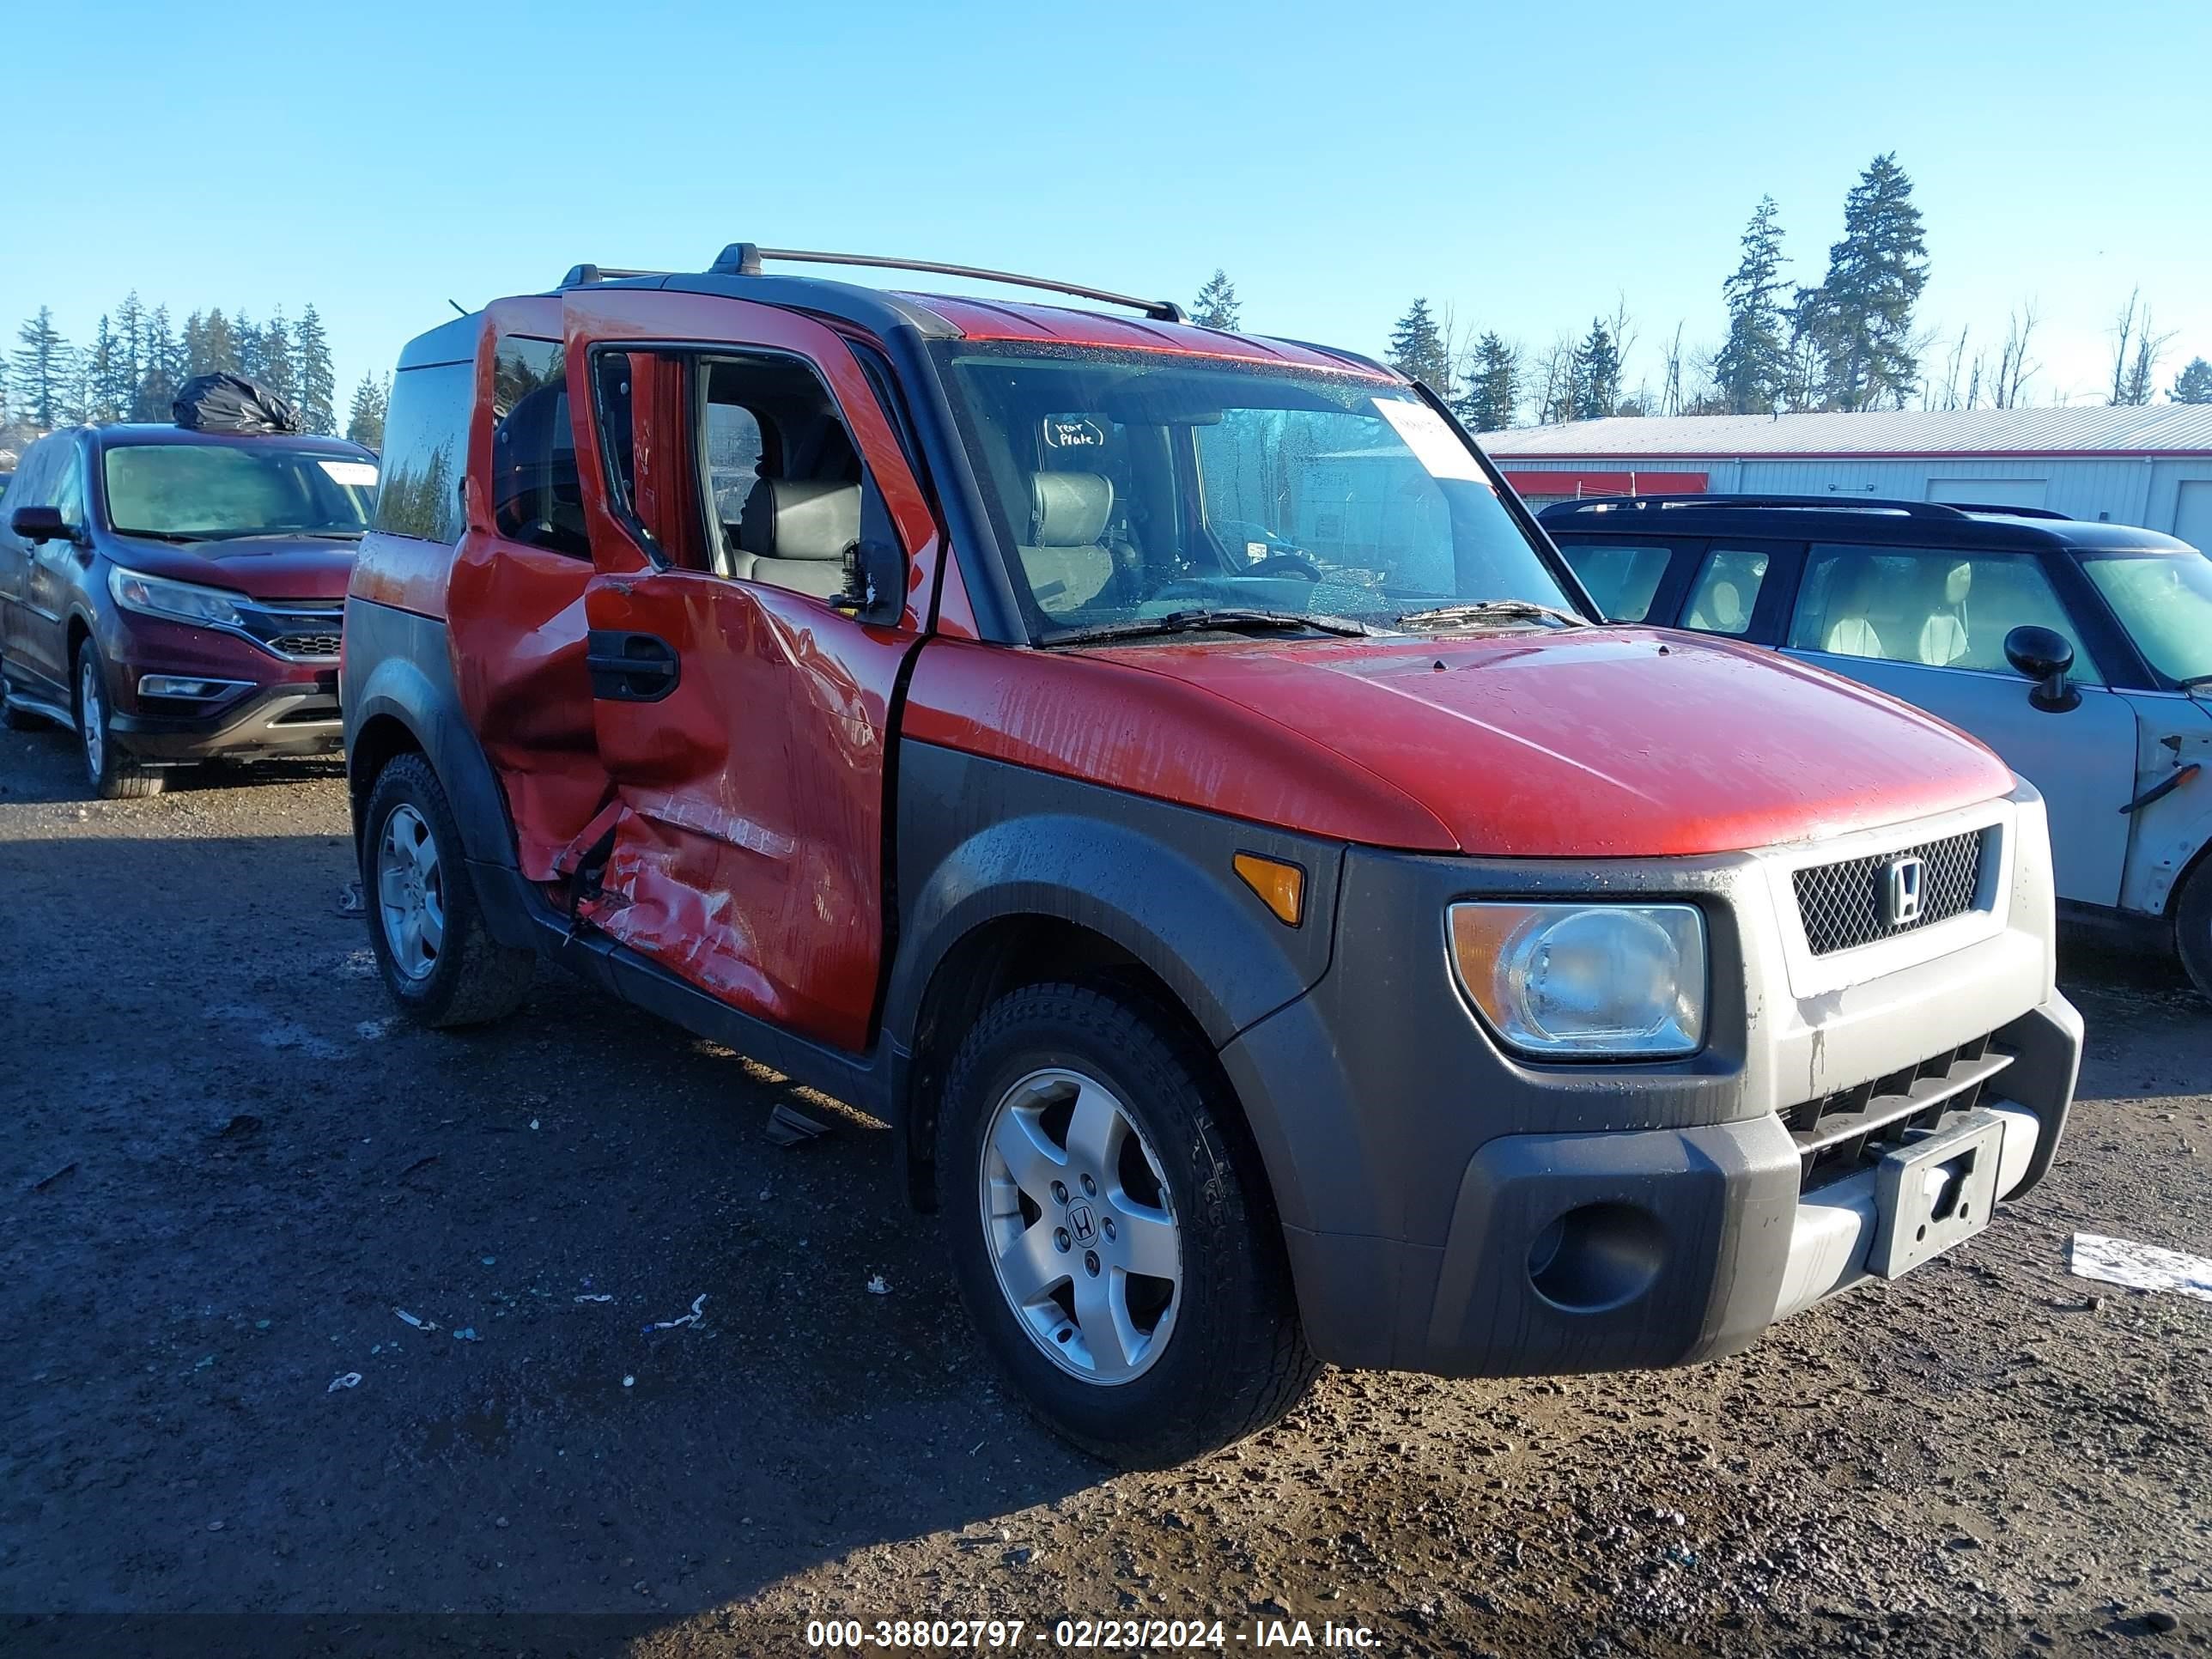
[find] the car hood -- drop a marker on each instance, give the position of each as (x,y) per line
(260,567)
(1602,742)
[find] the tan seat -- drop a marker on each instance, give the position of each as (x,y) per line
(796,534)
(1067,565)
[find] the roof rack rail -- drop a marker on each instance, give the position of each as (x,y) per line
(1802,503)
(584,275)
(2012,512)
(744,260)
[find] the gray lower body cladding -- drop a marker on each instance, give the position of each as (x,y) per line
(1450,1207)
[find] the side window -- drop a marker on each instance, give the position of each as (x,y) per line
(787,492)
(66,490)
(426,447)
(1930,606)
(536,497)
(1624,579)
(1727,592)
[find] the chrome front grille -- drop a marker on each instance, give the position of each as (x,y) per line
(305,645)
(1844,906)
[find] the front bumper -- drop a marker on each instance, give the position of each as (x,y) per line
(1450,1208)
(278,719)
(280,705)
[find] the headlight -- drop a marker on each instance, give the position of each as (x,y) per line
(1589,980)
(156,596)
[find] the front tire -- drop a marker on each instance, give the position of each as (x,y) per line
(441,965)
(2192,925)
(112,774)
(1126,1273)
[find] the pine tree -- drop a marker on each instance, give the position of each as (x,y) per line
(130,347)
(162,376)
(245,348)
(365,422)
(42,367)
(2194,384)
(1217,305)
(80,387)
(1752,366)
(1597,374)
(108,386)
(1417,350)
(1860,317)
(279,372)
(316,380)
(1493,386)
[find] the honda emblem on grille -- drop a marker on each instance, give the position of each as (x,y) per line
(1904,888)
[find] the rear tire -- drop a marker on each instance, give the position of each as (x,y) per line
(114,774)
(2192,925)
(1143,1368)
(439,963)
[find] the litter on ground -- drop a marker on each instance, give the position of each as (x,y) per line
(787,1127)
(350,1380)
(2140,1267)
(698,1305)
(466,1333)
(595,1298)
(878,1286)
(406,1318)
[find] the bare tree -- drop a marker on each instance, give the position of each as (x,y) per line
(1670,390)
(1949,397)
(1555,381)
(2136,348)
(2015,367)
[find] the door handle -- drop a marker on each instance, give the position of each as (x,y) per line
(629,668)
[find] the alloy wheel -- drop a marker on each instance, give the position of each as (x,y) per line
(92,716)
(1079,1227)
(410,892)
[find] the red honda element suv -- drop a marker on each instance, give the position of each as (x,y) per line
(1326,944)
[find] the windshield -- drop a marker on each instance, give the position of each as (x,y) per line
(2164,599)
(1136,485)
(211,492)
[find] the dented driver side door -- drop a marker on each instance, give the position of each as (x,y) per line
(744,722)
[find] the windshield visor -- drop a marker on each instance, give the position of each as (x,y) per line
(220,492)
(1127,486)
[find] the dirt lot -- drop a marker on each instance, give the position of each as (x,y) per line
(226,1167)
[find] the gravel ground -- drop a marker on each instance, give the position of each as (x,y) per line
(228,1166)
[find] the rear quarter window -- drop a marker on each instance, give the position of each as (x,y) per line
(426,446)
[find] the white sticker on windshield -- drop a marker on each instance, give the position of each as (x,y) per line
(360,475)
(1435,444)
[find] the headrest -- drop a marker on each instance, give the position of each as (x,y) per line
(1958,583)
(789,519)
(1069,509)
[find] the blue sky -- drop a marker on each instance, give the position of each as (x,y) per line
(1527,166)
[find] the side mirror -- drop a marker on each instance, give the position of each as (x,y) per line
(2043,656)
(38,523)
(875,581)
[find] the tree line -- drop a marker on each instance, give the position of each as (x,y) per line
(1849,341)
(139,358)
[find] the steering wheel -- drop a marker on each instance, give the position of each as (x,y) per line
(1286,564)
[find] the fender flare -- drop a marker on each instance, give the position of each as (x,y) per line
(397,687)
(1226,963)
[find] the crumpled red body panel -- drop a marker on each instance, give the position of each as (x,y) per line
(516,624)
(748,856)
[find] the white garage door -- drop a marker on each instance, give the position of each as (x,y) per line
(1989,492)
(2192,518)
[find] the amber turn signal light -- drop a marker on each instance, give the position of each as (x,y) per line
(1281,886)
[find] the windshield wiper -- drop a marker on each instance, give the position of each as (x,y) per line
(2194,681)
(1186,622)
(1452,616)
